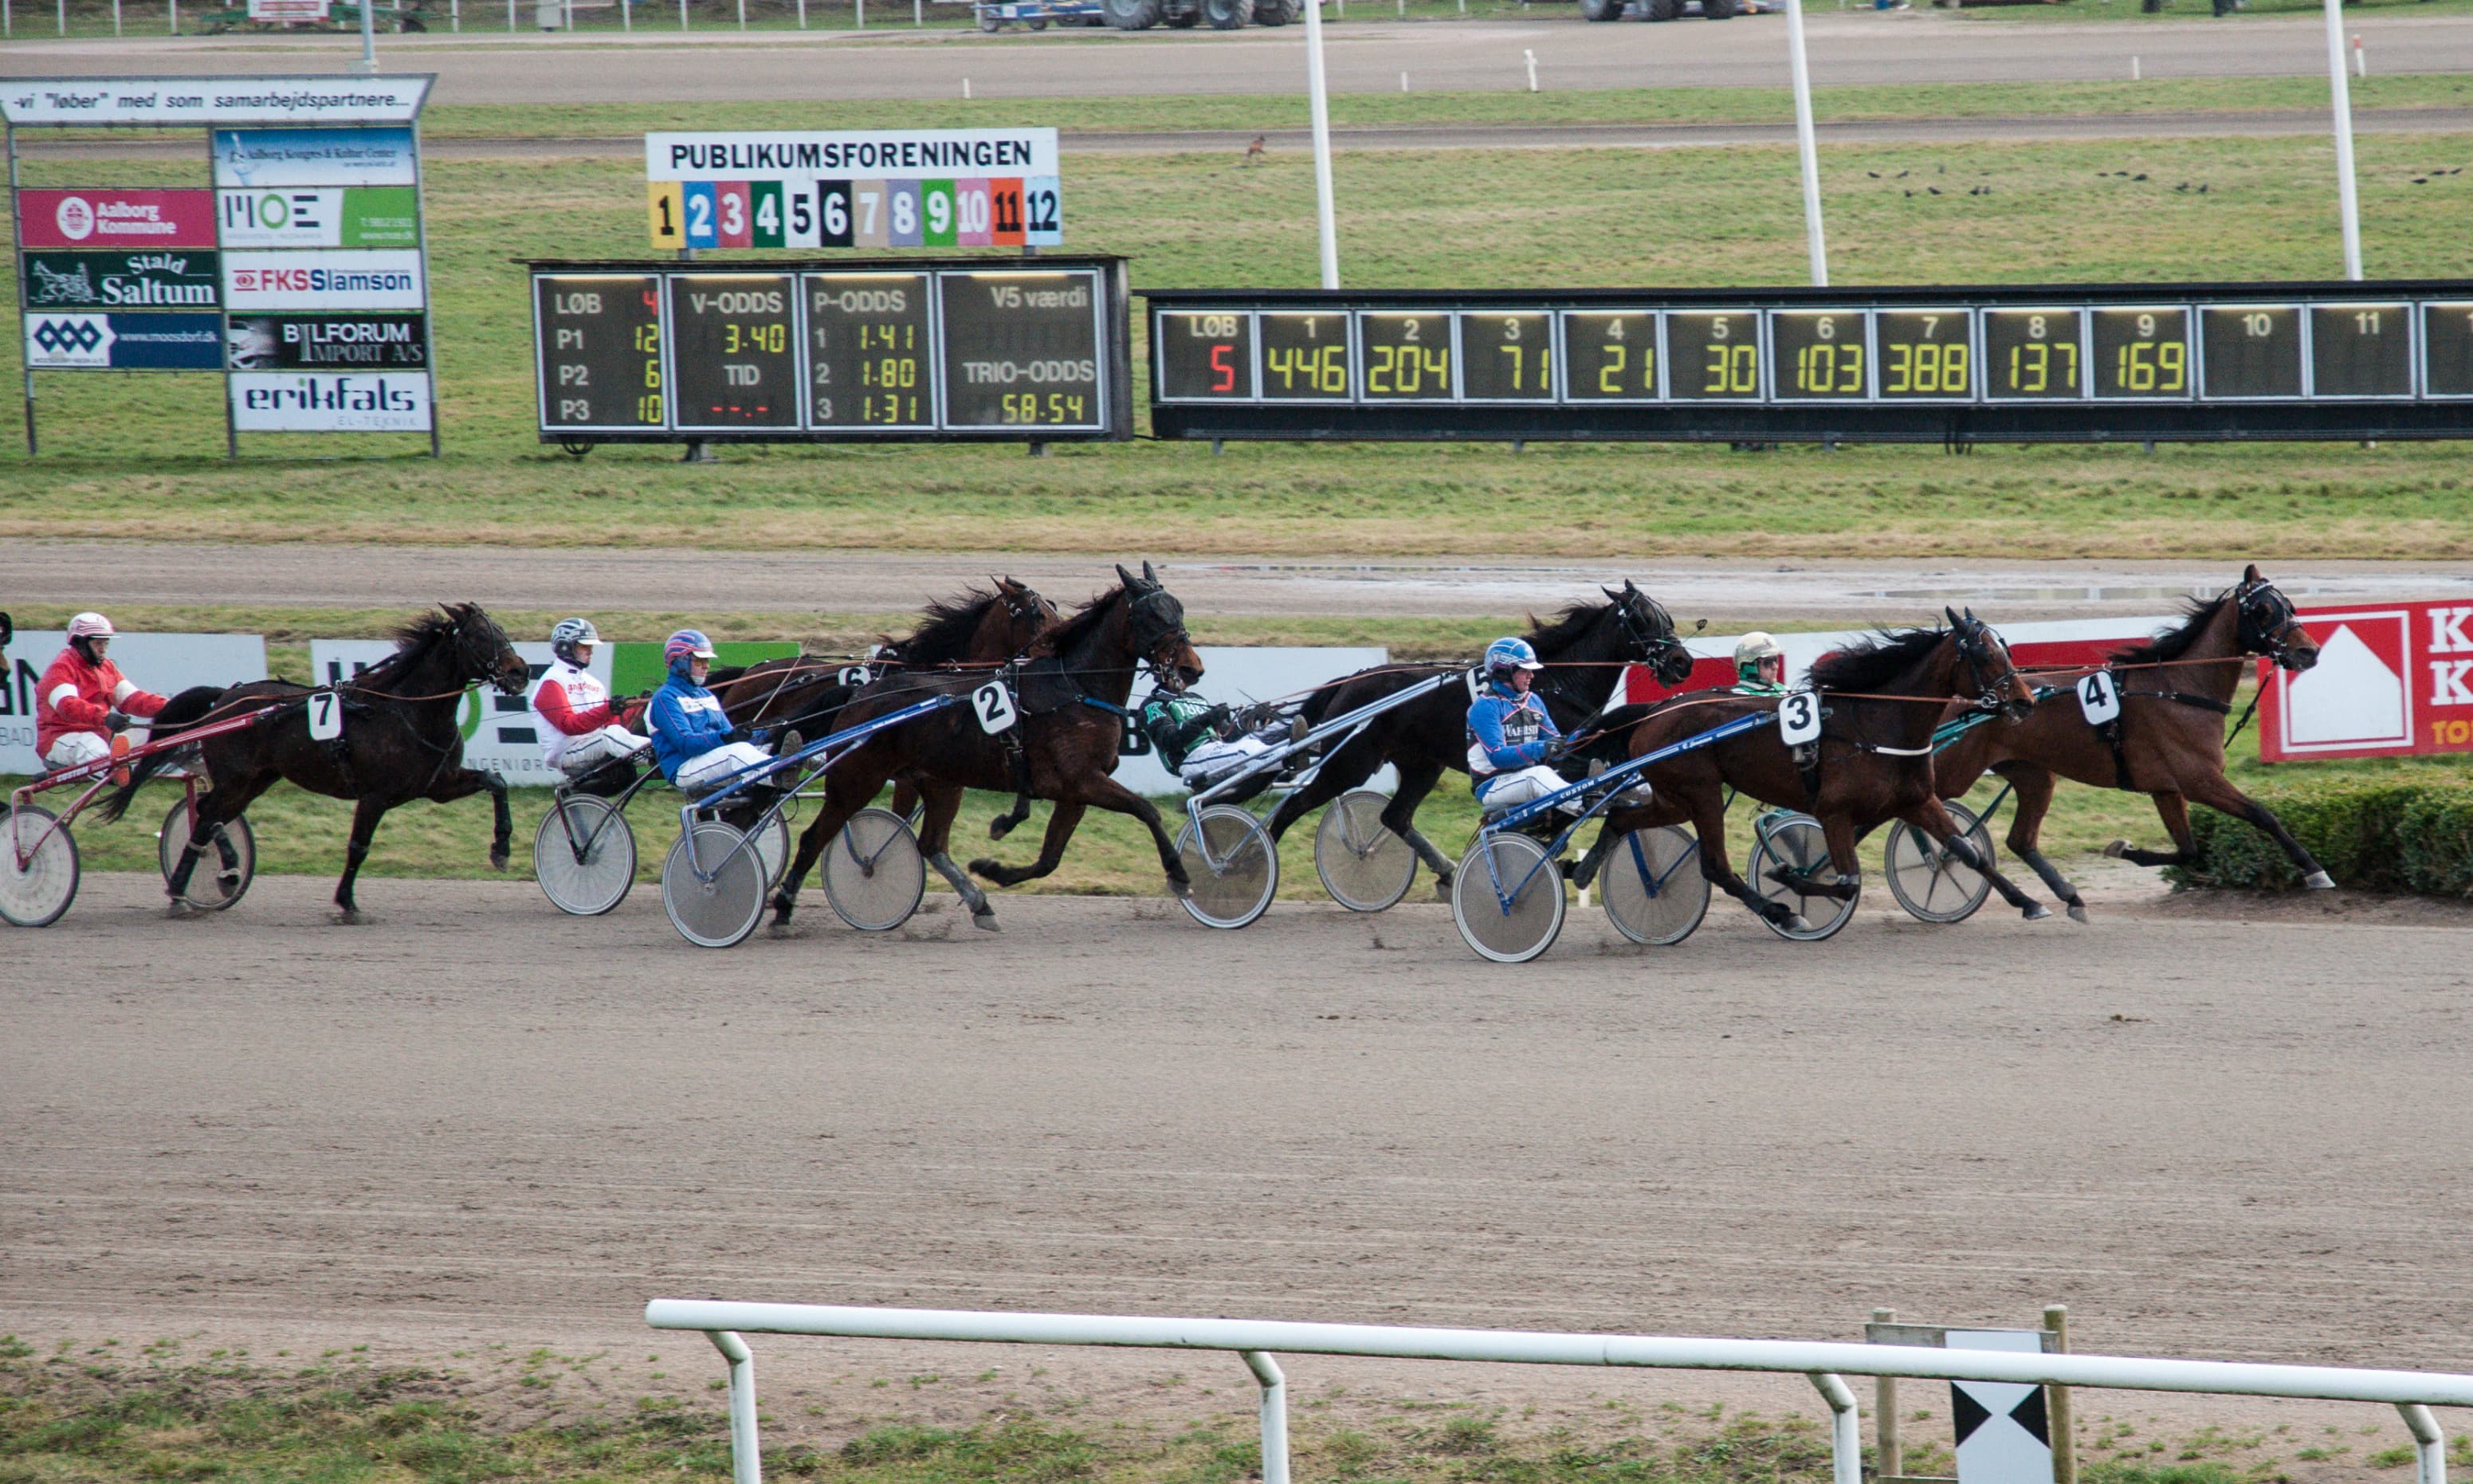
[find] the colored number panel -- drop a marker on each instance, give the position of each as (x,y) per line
(2251,350)
(2447,349)
(1821,354)
(2360,349)
(1204,355)
(1610,357)
(870,350)
(973,216)
(703,222)
(1406,357)
(1305,356)
(2142,353)
(1924,356)
(2034,355)
(733,214)
(1716,356)
(1507,357)
(1042,212)
(871,221)
(939,216)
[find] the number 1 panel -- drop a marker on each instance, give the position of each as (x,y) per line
(1507,357)
(1924,356)
(870,351)
(2142,355)
(1716,356)
(2034,355)
(1821,354)
(1204,355)
(1609,355)
(2360,349)
(2447,349)
(2251,350)
(1305,356)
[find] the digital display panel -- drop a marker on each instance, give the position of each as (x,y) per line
(1716,356)
(1821,354)
(2362,349)
(2252,349)
(734,350)
(2033,353)
(1610,357)
(1406,356)
(1507,357)
(1202,355)
(1304,357)
(869,338)
(2142,352)
(1022,349)
(600,350)
(2447,347)
(1923,354)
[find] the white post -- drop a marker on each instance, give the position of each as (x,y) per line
(1532,68)
(746,1459)
(2133,70)
(627,16)
(2429,1444)
(683,15)
(918,12)
(1845,1423)
(862,14)
(116,18)
(1275,1417)
(1318,101)
(511,17)
(175,17)
(803,14)
(2347,204)
(742,15)
(1815,243)
(64,17)
(367,64)
(2361,59)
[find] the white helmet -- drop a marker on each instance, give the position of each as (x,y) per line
(89,626)
(569,635)
(1752,649)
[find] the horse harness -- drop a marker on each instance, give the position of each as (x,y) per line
(2114,734)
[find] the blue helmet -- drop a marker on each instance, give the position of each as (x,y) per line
(1506,655)
(683,648)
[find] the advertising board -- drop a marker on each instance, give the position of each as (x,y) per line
(257,158)
(2393,680)
(176,100)
(396,342)
(858,188)
(116,217)
(173,279)
(164,663)
(123,342)
(370,279)
(333,216)
(327,402)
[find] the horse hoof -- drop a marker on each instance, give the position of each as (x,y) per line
(2035,912)
(1796,923)
(2079,912)
(1180,889)
(180,910)
(2117,848)
(2318,881)
(985,921)
(988,867)
(350,916)
(780,928)
(1442,889)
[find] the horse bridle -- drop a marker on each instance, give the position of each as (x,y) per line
(1158,622)
(468,647)
(1655,647)
(1969,633)
(1028,605)
(2268,621)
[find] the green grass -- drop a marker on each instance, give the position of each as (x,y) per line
(1191,220)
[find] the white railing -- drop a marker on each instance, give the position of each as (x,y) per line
(2412,1393)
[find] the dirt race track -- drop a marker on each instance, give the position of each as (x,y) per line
(476,1120)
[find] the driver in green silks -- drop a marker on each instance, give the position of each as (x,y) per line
(1760,665)
(1201,742)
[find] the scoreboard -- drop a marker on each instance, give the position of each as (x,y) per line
(1009,349)
(2064,363)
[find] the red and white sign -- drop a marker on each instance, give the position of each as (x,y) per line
(116,219)
(2392,681)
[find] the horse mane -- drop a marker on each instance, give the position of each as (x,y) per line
(1063,636)
(947,633)
(1565,627)
(1874,662)
(413,638)
(2172,643)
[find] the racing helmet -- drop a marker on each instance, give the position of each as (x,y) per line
(85,629)
(1506,655)
(1752,649)
(570,633)
(682,649)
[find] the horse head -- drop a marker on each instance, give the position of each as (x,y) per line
(1989,671)
(1648,634)
(1027,614)
(481,649)
(1155,630)
(2269,624)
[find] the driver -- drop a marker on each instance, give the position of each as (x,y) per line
(1511,739)
(83,703)
(693,742)
(1200,741)
(581,727)
(1760,665)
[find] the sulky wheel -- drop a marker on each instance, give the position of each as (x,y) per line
(1364,866)
(225,864)
(720,908)
(1654,891)
(1233,881)
(38,866)
(1507,898)
(1929,881)
(773,848)
(1796,850)
(873,875)
(584,855)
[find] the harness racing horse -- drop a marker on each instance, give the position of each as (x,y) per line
(399,740)
(1070,695)
(983,626)
(2167,743)
(1584,648)
(1873,763)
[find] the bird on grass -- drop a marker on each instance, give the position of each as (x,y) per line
(1254,151)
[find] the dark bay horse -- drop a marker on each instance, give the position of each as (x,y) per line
(2168,742)
(1585,648)
(1070,695)
(1880,701)
(399,742)
(983,626)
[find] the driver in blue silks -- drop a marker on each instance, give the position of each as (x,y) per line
(1511,739)
(693,742)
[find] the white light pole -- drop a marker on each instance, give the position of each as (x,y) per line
(1326,219)
(367,64)
(1815,243)
(2348,203)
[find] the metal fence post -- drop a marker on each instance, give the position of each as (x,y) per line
(1846,1428)
(1275,1417)
(2056,1399)
(2429,1444)
(1891,1461)
(746,1459)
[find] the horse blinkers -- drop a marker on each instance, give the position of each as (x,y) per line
(1157,630)
(2004,694)
(486,654)
(1651,629)
(2269,626)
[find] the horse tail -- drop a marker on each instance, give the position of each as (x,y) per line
(182,710)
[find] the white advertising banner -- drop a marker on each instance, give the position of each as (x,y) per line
(255,158)
(376,278)
(499,731)
(1239,676)
(330,402)
(801,154)
(164,663)
(189,100)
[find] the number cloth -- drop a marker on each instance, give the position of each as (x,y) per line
(1507,733)
(576,718)
(686,722)
(74,697)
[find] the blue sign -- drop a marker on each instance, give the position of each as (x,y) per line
(123,342)
(258,157)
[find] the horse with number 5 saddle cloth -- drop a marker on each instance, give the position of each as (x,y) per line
(1047,727)
(2149,722)
(1855,750)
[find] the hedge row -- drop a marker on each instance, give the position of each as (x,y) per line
(2414,838)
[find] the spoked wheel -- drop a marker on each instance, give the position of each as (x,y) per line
(1516,931)
(1929,881)
(773,848)
(1797,850)
(722,911)
(1235,881)
(874,875)
(596,877)
(36,894)
(1655,893)
(225,864)
(1363,864)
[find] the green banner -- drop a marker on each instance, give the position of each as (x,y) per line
(638,667)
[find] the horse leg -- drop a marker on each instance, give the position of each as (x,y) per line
(1117,799)
(1709,822)
(1350,764)
(2216,793)
(2175,811)
(1619,823)
(1838,830)
(1934,820)
(936,838)
(1417,779)
(216,807)
(845,793)
(2034,787)
(364,827)
(1061,825)
(1004,824)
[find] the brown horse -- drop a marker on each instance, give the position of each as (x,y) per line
(1873,763)
(1070,696)
(399,740)
(983,626)
(2168,742)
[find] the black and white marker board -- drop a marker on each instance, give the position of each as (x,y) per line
(2004,1436)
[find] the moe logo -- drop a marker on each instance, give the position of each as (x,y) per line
(75,218)
(76,334)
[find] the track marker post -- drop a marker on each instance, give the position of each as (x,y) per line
(2057,1402)
(2348,203)
(1318,103)
(1815,242)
